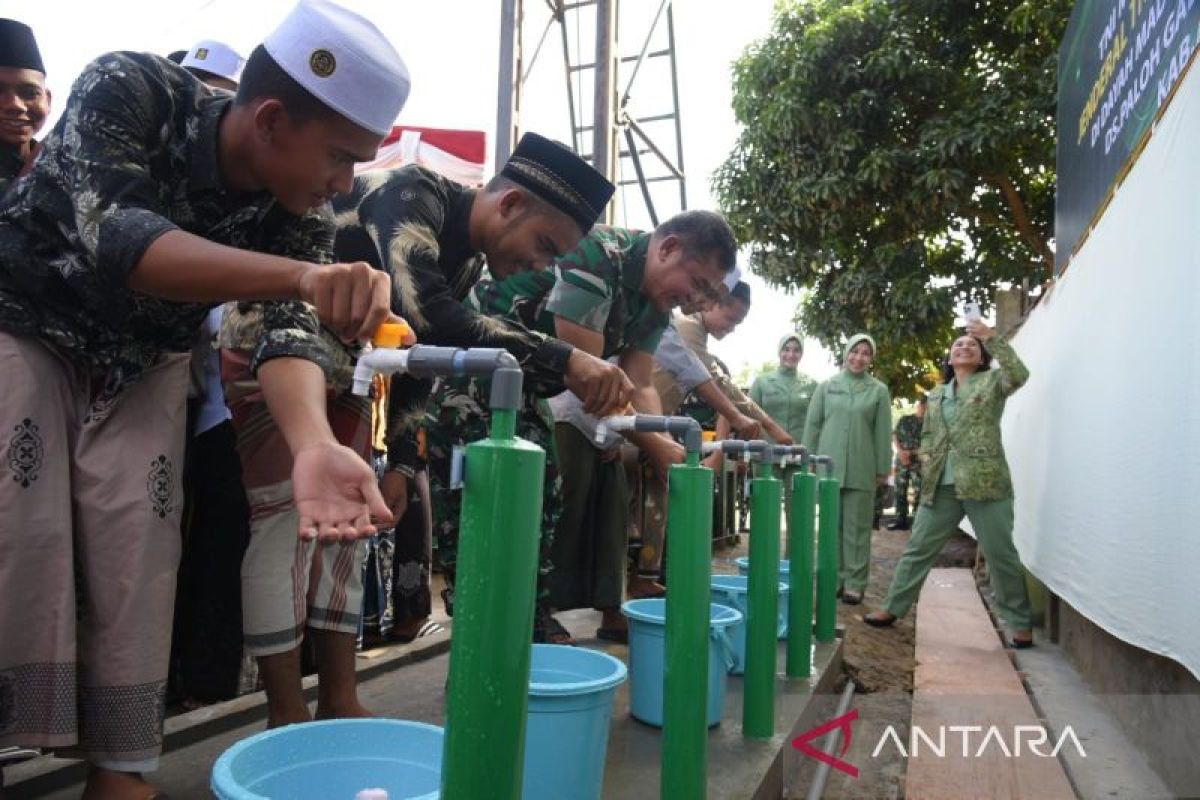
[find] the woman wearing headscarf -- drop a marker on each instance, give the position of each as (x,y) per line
(784,395)
(850,420)
(964,473)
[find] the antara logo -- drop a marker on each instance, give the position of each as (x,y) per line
(1025,739)
(1034,737)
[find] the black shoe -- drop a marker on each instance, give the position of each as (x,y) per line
(900,524)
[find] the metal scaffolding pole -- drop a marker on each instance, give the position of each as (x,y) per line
(508,108)
(603,133)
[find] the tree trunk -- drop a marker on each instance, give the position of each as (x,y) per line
(1021,218)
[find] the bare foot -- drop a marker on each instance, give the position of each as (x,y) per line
(277,718)
(105,784)
(349,710)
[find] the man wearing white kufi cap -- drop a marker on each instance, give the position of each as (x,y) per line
(155,198)
(215,63)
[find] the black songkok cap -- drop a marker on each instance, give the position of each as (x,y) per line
(561,178)
(18,48)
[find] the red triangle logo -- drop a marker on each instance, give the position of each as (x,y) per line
(845,721)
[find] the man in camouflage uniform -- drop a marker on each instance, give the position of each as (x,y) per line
(612,297)
(907,438)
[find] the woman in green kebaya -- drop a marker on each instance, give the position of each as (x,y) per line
(850,420)
(964,473)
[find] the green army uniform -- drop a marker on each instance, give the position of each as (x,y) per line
(784,395)
(850,419)
(908,437)
(597,286)
(964,473)
(457,415)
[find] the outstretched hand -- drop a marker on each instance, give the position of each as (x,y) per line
(604,388)
(336,494)
(980,330)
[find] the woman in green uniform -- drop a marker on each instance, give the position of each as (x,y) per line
(964,472)
(785,393)
(850,419)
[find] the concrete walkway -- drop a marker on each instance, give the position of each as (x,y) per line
(972,721)
(409,683)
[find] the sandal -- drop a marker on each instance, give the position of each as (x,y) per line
(1021,644)
(879,619)
(428,629)
(548,630)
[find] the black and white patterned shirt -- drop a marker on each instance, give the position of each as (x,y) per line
(133,157)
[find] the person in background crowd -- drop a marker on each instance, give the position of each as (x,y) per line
(964,473)
(907,438)
(24,99)
(738,413)
(215,64)
(103,286)
(850,419)
(207,635)
(785,395)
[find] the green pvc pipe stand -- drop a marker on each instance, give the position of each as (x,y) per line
(801,526)
(487,702)
(762,625)
(829,501)
(685,675)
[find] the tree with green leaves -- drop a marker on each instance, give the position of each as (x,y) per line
(897,159)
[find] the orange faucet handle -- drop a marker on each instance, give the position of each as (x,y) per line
(392,334)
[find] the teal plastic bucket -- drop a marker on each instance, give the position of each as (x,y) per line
(571,692)
(647,650)
(785,576)
(333,759)
(731,590)
(785,568)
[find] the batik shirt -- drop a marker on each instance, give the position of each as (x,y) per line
(415,225)
(598,286)
(133,157)
(11,164)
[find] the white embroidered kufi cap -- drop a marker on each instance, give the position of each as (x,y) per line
(216,57)
(344,61)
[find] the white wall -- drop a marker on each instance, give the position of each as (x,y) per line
(1104,440)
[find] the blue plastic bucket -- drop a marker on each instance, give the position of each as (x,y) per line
(333,759)
(571,693)
(647,650)
(731,590)
(785,576)
(785,568)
